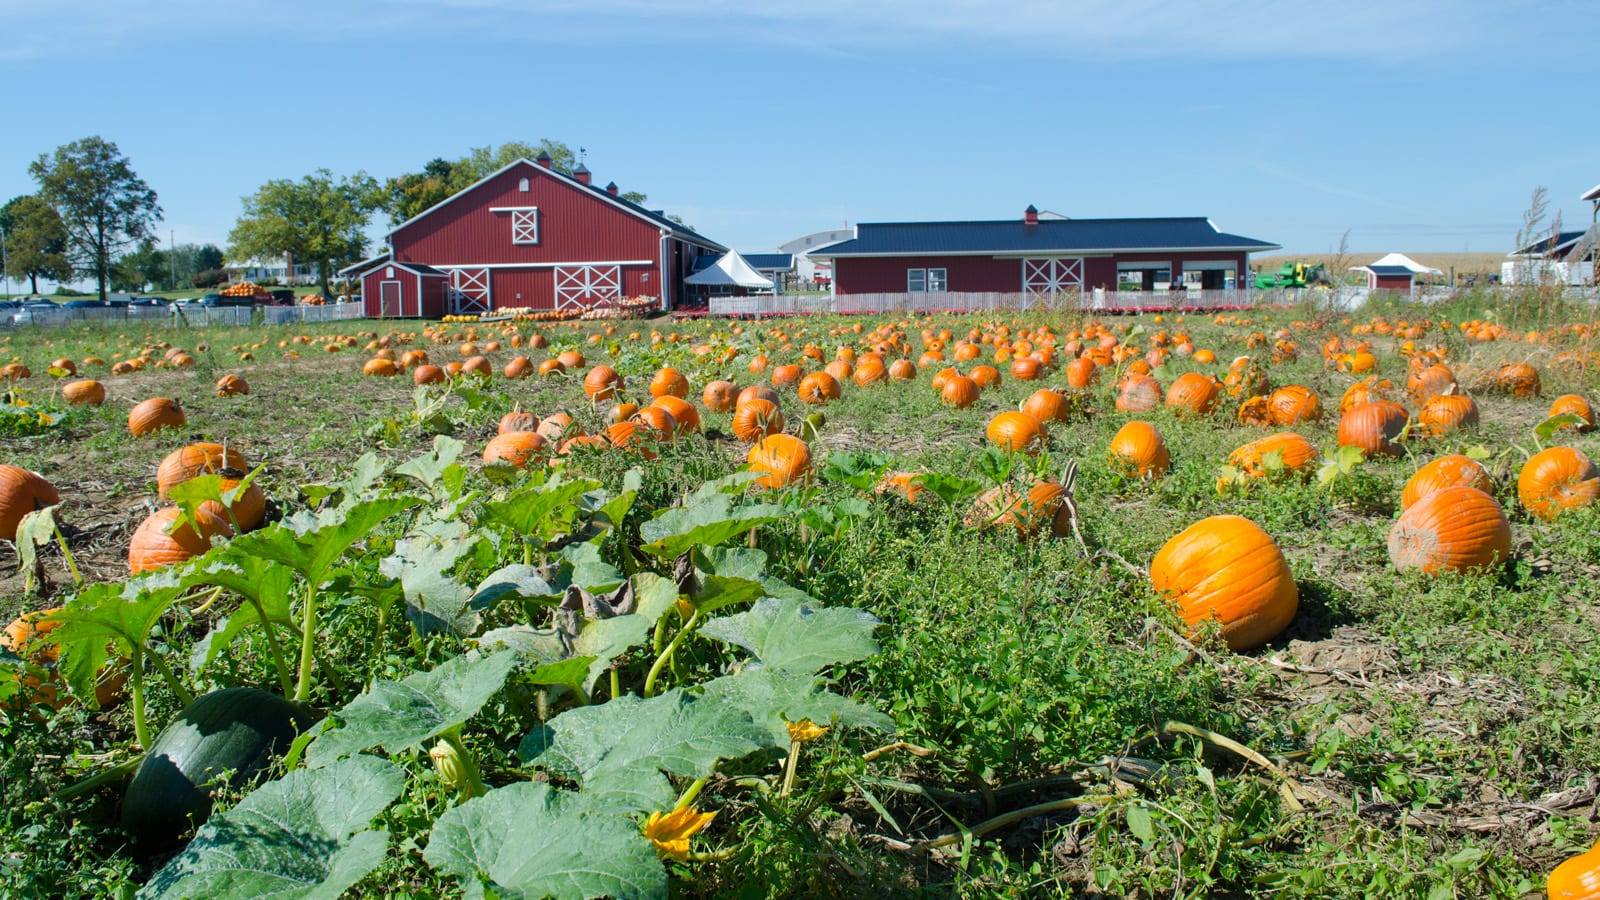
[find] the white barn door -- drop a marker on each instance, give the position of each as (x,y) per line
(469,291)
(580,287)
(1043,280)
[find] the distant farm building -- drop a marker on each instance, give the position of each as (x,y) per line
(1038,257)
(529,237)
(1395,272)
(283,270)
(1562,257)
(807,267)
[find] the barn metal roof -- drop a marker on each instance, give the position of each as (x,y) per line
(1013,236)
(770,260)
(1389,271)
(1549,244)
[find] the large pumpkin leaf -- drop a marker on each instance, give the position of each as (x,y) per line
(397,715)
(709,520)
(673,732)
(557,657)
(437,469)
(775,698)
(791,636)
(309,541)
(749,563)
(303,836)
(435,602)
(540,511)
(590,571)
(120,614)
(517,580)
(264,582)
(532,841)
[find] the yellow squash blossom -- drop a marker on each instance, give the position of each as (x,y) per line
(670,832)
(805,730)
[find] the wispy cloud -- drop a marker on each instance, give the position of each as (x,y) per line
(1105,29)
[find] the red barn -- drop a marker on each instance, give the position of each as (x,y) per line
(1037,255)
(529,237)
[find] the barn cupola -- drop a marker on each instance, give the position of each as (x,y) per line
(582,174)
(612,189)
(1030,216)
(544,160)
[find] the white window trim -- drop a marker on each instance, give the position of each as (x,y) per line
(944,280)
(525,225)
(916,290)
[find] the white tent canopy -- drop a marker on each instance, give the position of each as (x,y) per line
(1400,259)
(730,271)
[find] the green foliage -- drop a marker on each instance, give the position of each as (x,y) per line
(316,219)
(36,241)
(104,206)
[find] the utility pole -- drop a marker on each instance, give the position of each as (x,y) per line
(172,260)
(4,275)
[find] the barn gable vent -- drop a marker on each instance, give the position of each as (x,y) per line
(523,185)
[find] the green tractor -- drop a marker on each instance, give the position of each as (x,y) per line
(1294,275)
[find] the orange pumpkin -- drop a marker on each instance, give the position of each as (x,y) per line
(381,368)
(518,367)
(720,396)
(427,374)
(904,484)
(1373,388)
(22,492)
(1375,427)
(1138,394)
(1192,394)
(1557,480)
(958,391)
(1082,373)
(1047,406)
(1025,369)
(785,375)
(153,415)
(657,421)
(985,377)
(684,415)
(1430,382)
(477,367)
(1444,414)
(517,421)
(1296,455)
(1518,380)
(1453,470)
(601,383)
(232,386)
(156,543)
(1016,431)
(1227,568)
(84,393)
(1255,411)
(1293,404)
(756,419)
(1137,449)
(24,637)
(194,460)
(1576,405)
(902,370)
(1577,878)
(783,459)
(669,382)
(556,426)
(1453,529)
(1006,507)
(515,448)
(819,388)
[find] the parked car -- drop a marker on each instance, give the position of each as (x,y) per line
(148,301)
(34,311)
(86,304)
(215,300)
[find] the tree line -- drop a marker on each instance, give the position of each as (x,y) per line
(93,217)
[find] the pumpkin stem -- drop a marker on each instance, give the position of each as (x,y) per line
(308,627)
(66,554)
(182,693)
(666,655)
(141,728)
(106,776)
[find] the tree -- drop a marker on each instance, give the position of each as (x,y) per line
(407,195)
(207,256)
(35,242)
(105,207)
(145,265)
(315,219)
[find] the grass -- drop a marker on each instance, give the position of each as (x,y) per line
(1427,719)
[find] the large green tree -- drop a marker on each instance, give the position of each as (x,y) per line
(35,242)
(145,265)
(105,207)
(409,194)
(317,219)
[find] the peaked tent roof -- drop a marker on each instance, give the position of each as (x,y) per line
(1397,260)
(1549,245)
(1591,194)
(1048,236)
(732,270)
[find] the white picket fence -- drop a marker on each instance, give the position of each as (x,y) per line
(771,305)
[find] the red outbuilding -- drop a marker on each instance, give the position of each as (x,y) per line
(529,237)
(1037,256)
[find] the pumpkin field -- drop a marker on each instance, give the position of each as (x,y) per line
(1284,602)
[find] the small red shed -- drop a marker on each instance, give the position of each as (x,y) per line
(395,290)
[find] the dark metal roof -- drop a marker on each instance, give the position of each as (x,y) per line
(1389,271)
(1048,236)
(1549,244)
(769,261)
(421,269)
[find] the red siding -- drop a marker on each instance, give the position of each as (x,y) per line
(982,274)
(1391,283)
(434,302)
(431,299)
(574,226)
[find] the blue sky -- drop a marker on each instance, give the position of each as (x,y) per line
(1415,125)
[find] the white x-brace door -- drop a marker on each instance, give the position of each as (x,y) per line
(469,291)
(1043,280)
(581,287)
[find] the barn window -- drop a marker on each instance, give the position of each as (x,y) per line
(916,280)
(523,185)
(936,280)
(525,226)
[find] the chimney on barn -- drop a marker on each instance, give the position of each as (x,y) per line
(612,189)
(1030,216)
(544,160)
(582,174)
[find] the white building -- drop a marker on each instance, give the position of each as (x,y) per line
(285,270)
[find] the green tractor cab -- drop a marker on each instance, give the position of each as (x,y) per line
(1294,275)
